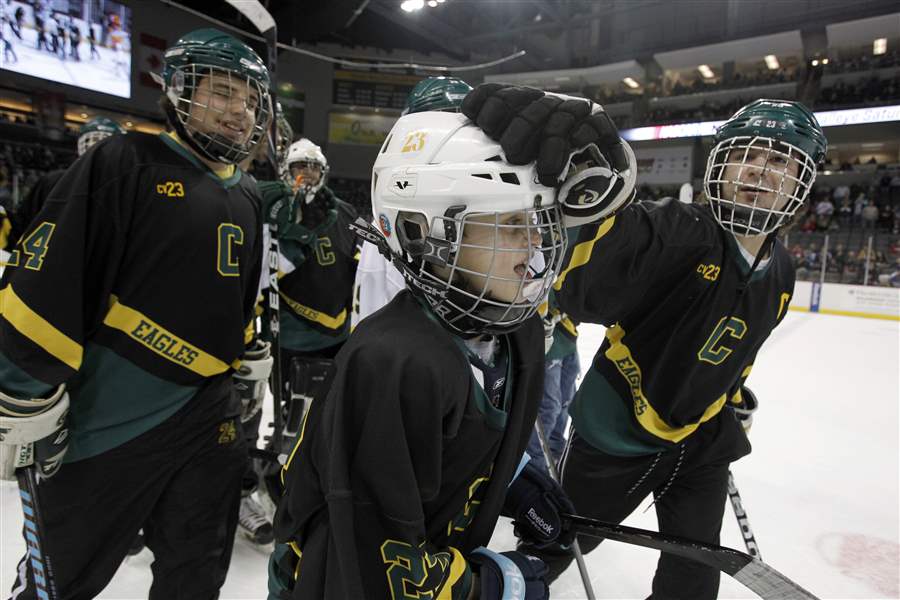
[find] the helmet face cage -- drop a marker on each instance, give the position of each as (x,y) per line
(790,190)
(309,189)
(463,300)
(182,92)
(87,140)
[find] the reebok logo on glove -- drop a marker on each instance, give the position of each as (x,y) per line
(540,523)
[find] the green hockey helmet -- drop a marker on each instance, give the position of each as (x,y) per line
(763,165)
(218,90)
(94,130)
(437,93)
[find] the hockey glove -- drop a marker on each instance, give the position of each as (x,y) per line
(251,376)
(574,144)
(745,408)
(33,432)
(534,501)
(313,211)
(549,321)
(510,575)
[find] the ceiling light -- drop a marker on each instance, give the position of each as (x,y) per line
(824,61)
(631,83)
(441,1)
(879,46)
(432,3)
(706,71)
(772,62)
(84,115)
(129,124)
(538,17)
(815,63)
(411,5)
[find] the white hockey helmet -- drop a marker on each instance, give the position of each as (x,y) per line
(304,155)
(442,189)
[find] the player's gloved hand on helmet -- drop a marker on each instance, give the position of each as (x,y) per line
(251,376)
(535,503)
(744,409)
(33,432)
(573,142)
(509,575)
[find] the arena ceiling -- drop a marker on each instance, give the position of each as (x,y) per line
(555,33)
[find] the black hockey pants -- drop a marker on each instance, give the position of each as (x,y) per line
(180,481)
(689,484)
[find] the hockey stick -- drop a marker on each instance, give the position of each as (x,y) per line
(554,473)
(759,577)
(742,519)
(254,11)
(41,568)
(268,455)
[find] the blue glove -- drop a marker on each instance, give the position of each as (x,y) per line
(510,575)
(535,502)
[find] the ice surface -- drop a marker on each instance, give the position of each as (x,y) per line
(820,488)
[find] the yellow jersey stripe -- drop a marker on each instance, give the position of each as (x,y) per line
(161,341)
(335,322)
(647,417)
(5,228)
(569,326)
(582,252)
(457,570)
(39,330)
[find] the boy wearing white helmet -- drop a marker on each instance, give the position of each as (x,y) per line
(377,281)
(401,473)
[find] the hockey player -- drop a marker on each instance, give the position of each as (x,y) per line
(377,281)
(317,263)
(400,474)
(126,302)
(689,294)
(94,130)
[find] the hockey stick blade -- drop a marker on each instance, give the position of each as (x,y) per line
(756,575)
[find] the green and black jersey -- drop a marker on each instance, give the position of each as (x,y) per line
(402,471)
(315,273)
(133,285)
(685,320)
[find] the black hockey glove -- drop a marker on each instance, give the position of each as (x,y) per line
(313,214)
(510,575)
(534,501)
(745,408)
(573,142)
(33,432)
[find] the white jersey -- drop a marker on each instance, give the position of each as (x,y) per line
(377,282)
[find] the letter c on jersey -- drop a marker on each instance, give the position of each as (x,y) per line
(230,235)
(713,351)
